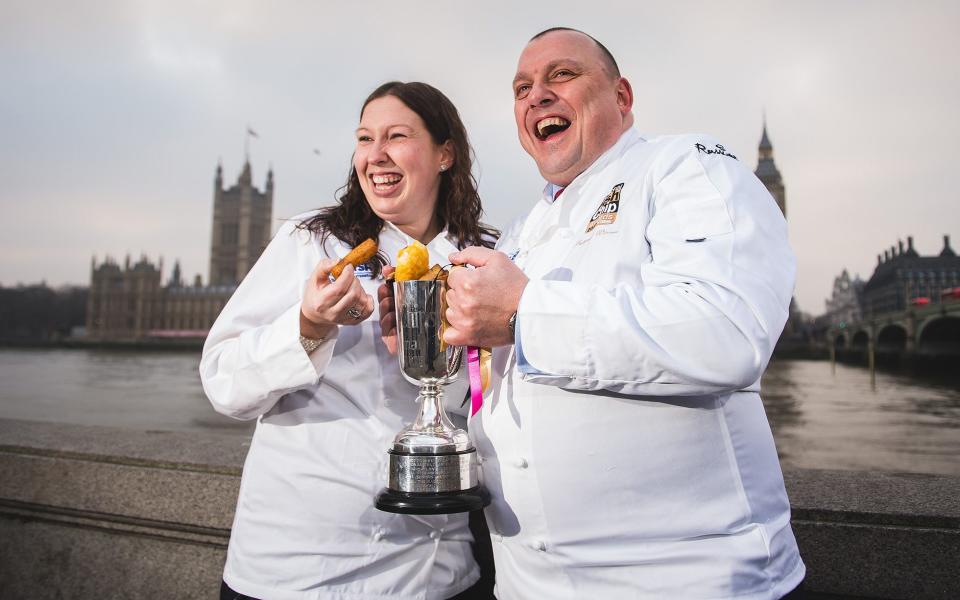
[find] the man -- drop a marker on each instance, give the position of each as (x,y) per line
(634,310)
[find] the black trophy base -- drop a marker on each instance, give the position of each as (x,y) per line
(439,503)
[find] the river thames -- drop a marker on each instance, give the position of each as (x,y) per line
(820,419)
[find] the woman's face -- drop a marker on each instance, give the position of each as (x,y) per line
(399,165)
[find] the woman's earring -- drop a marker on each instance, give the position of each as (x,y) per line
(443,167)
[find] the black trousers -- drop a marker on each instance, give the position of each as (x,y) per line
(796,594)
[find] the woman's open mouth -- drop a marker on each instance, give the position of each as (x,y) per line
(384,183)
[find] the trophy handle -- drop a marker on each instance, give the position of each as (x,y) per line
(454,360)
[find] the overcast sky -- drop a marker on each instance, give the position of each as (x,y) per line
(114,114)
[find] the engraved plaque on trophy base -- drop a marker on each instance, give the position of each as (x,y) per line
(432,484)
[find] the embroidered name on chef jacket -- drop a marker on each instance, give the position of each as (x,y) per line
(717,149)
(606,213)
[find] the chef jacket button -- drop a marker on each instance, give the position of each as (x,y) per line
(540,546)
(378,535)
(522,463)
(434,535)
(479,459)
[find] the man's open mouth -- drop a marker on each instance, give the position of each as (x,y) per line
(551,126)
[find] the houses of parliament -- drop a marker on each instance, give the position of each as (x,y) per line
(130,302)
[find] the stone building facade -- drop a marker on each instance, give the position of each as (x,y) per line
(241,226)
(131,303)
(125,302)
(903,278)
(844,306)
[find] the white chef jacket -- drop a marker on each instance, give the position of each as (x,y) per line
(624,442)
(305,526)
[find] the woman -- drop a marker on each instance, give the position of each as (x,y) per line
(301,354)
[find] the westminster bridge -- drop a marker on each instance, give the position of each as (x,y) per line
(931,330)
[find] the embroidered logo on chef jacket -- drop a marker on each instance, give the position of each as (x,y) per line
(513,255)
(717,149)
(363,271)
(606,213)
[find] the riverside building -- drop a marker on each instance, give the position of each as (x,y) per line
(130,303)
(903,278)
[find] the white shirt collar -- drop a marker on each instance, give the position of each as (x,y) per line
(440,246)
(444,234)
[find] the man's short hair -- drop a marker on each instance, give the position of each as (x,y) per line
(608,59)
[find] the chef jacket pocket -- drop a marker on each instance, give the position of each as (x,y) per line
(706,217)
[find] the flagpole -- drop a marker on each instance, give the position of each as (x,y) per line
(246,141)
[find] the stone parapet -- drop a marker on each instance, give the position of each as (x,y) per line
(877,535)
(96,512)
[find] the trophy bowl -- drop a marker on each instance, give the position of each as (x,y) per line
(433,465)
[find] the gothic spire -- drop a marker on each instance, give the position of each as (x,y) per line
(765,148)
(765,139)
(246,177)
(767,171)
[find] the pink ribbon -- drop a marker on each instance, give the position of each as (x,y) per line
(476,385)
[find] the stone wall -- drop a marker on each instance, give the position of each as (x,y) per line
(878,535)
(95,512)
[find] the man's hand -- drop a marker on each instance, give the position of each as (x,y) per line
(482,300)
(388,314)
(327,304)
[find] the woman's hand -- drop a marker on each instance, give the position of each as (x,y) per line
(388,315)
(327,304)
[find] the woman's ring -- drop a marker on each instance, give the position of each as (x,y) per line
(354,312)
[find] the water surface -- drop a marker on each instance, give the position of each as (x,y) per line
(139,390)
(820,419)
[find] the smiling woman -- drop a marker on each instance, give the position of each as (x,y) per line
(296,349)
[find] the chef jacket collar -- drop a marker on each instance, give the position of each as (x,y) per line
(627,139)
(557,212)
(443,243)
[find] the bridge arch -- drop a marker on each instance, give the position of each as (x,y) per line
(892,338)
(860,339)
(839,340)
(939,335)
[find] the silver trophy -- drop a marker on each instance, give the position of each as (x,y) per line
(433,465)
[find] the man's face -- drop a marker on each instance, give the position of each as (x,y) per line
(569,108)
